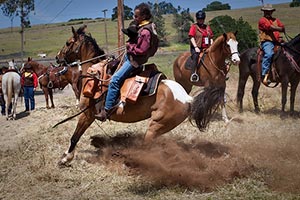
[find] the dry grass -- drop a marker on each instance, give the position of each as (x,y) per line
(253,157)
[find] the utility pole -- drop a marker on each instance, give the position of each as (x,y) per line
(120,24)
(105,28)
(22,33)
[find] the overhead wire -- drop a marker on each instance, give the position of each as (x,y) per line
(64,8)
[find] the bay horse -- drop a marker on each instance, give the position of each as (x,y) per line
(211,67)
(286,61)
(11,87)
(60,78)
(166,109)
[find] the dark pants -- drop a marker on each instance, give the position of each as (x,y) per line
(195,58)
(29,97)
(3,105)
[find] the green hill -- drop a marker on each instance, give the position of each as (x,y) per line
(49,38)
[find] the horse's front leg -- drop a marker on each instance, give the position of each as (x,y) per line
(254,92)
(85,120)
(77,93)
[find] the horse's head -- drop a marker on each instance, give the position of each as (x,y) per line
(78,47)
(69,52)
(231,46)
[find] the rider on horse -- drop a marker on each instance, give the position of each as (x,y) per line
(269,36)
(138,54)
(200,38)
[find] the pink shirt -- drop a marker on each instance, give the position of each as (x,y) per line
(142,45)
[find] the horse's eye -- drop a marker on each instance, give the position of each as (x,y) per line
(67,43)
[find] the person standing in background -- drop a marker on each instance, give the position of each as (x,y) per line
(29,82)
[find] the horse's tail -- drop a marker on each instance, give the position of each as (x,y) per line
(9,85)
(205,104)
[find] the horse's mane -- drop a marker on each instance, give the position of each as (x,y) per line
(220,40)
(215,43)
(294,41)
(97,49)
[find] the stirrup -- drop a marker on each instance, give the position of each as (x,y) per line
(194,77)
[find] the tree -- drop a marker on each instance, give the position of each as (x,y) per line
(246,36)
(128,14)
(22,8)
(182,23)
(217,5)
(165,8)
(295,3)
(159,21)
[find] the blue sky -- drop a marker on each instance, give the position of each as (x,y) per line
(52,11)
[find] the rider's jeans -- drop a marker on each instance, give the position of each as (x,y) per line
(116,82)
(268,48)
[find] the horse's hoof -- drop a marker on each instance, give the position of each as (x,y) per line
(62,164)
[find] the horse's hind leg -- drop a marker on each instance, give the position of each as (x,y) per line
(254,92)
(165,116)
(224,113)
(45,90)
(284,86)
(51,97)
(293,95)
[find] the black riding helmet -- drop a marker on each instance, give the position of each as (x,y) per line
(200,14)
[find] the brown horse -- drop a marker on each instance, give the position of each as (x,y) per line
(166,109)
(59,80)
(287,64)
(60,77)
(211,68)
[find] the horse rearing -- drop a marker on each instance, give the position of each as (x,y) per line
(211,69)
(167,108)
(287,65)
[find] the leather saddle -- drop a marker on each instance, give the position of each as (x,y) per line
(143,81)
(189,63)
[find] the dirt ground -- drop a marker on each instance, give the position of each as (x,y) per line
(112,163)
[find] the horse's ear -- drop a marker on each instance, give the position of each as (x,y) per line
(235,33)
(29,59)
(225,36)
(73,31)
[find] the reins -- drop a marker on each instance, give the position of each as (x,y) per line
(214,64)
(95,77)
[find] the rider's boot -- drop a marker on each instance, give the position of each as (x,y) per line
(194,76)
(265,79)
(102,115)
